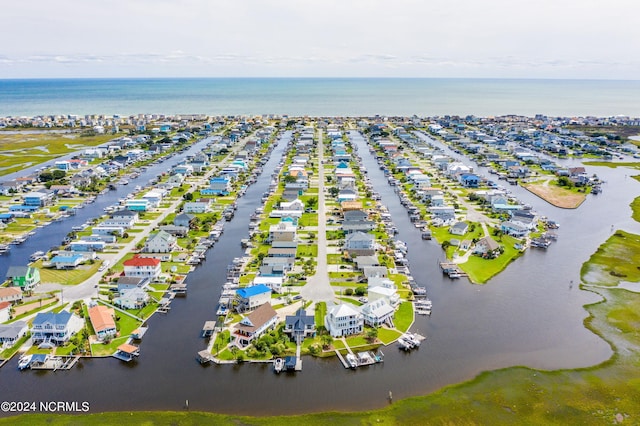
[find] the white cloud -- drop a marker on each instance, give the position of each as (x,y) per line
(411,38)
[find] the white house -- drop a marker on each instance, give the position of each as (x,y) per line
(255,324)
(377,312)
(343,320)
(142,267)
(274,283)
(383,293)
(160,242)
(103,321)
(133,298)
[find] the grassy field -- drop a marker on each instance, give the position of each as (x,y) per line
(616,260)
(67,277)
(25,150)
(481,270)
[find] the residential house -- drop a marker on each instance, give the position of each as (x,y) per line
(137,205)
(5,311)
(184,220)
(249,298)
(514,229)
(218,186)
(359,244)
(524,218)
(160,242)
(459,228)
(300,325)
(274,283)
(283,231)
(126,283)
(10,294)
(25,277)
(103,321)
(343,320)
(487,247)
(55,328)
(37,199)
(146,267)
(132,298)
(389,295)
(67,260)
(469,180)
(200,206)
(11,333)
(126,216)
(103,229)
(83,245)
(255,324)
(378,312)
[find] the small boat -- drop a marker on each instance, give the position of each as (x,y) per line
(352,361)
(24,362)
(278,365)
(36,256)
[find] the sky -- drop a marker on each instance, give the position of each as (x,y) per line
(586,39)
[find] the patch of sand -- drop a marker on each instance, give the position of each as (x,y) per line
(556,196)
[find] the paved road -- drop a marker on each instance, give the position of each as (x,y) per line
(318,287)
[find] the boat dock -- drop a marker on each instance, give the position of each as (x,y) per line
(208,328)
(452,270)
(48,362)
(204,357)
(360,359)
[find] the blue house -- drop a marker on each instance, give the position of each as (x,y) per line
(249,298)
(469,180)
(218,186)
(38,199)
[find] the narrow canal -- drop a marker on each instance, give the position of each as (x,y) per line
(526,316)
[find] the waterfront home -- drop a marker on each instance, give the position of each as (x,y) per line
(366,261)
(154,197)
(300,325)
(103,229)
(347,195)
(359,244)
(346,206)
(25,277)
(160,242)
(11,333)
(255,324)
(443,213)
(103,321)
(274,283)
(200,206)
(524,218)
(184,220)
(183,170)
(179,231)
(83,245)
(126,216)
(249,298)
(146,267)
(376,281)
(343,320)
(55,328)
(514,229)
(378,312)
(137,205)
(487,247)
(282,252)
(132,298)
(218,186)
(67,260)
(126,283)
(383,293)
(10,294)
(283,231)
(459,228)
(375,271)
(174,181)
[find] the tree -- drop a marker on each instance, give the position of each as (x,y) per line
(372,334)
(290,179)
(348,291)
(327,340)
(333,191)
(360,291)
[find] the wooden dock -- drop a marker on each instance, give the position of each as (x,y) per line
(452,270)
(208,328)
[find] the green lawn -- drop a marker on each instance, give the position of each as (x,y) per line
(615,260)
(310,250)
(404,316)
(481,270)
(387,336)
(67,277)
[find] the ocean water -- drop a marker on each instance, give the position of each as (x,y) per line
(320,96)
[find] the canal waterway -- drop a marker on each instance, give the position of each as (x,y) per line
(528,315)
